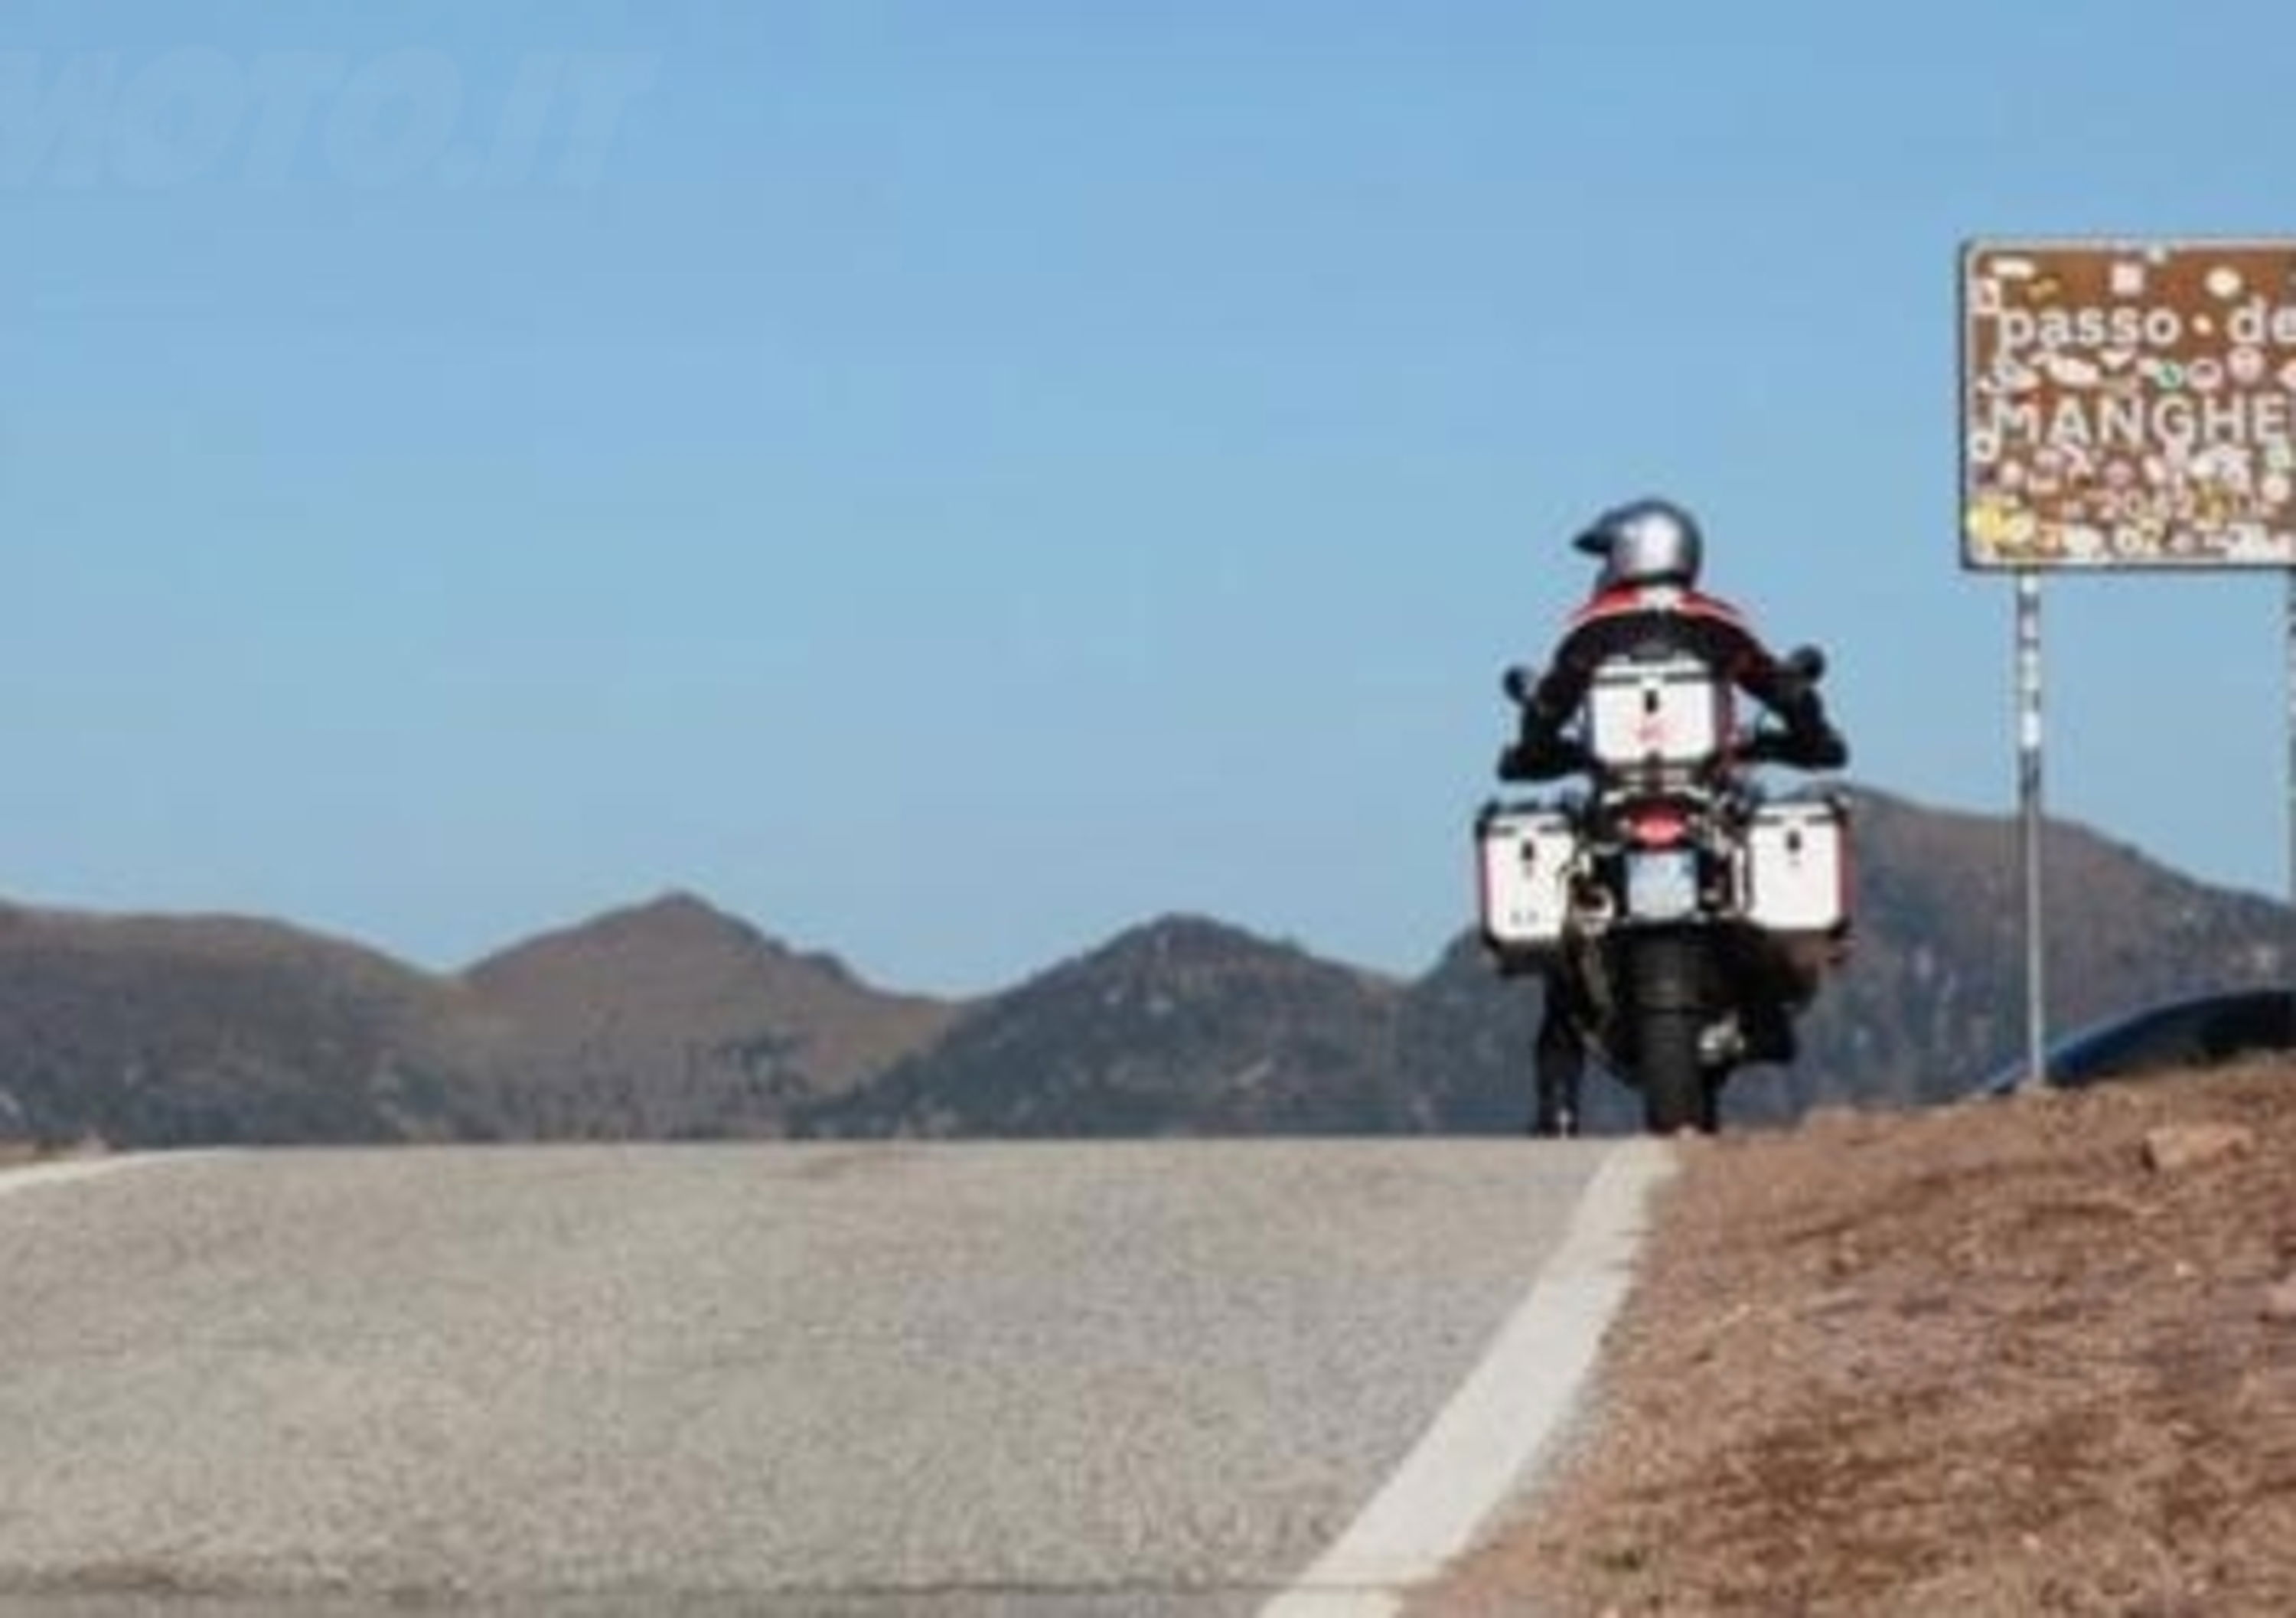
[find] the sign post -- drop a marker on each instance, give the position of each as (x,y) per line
(2125,406)
(2029,821)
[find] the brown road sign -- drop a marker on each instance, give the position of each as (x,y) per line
(2128,404)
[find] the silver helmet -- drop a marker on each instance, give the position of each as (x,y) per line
(1645,542)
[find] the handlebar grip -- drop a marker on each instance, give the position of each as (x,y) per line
(1768,747)
(1816,752)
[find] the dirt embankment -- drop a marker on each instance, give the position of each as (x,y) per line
(2013,1357)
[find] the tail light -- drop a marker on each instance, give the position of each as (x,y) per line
(1657,826)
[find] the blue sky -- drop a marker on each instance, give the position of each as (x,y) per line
(948,482)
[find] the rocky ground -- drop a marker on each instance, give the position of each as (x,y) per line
(2020,1356)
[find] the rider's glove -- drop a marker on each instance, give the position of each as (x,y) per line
(1537,758)
(1821,748)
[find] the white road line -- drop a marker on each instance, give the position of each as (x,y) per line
(81,1167)
(1483,1441)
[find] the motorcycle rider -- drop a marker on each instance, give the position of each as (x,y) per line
(1646,592)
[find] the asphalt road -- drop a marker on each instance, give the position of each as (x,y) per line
(1131,1379)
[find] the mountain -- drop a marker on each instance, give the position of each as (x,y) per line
(1184,1026)
(1936,997)
(168,1031)
(1933,998)
(664,1020)
(674,1019)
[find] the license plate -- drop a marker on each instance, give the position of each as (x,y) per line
(1662,883)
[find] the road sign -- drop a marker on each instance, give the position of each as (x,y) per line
(2128,404)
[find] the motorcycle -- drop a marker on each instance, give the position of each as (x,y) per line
(1688,914)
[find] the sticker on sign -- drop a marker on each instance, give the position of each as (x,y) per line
(2128,404)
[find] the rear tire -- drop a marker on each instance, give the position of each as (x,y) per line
(1668,1074)
(1669,1008)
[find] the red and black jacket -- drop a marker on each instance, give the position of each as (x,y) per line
(1642,617)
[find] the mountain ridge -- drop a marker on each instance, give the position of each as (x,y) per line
(671,1018)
